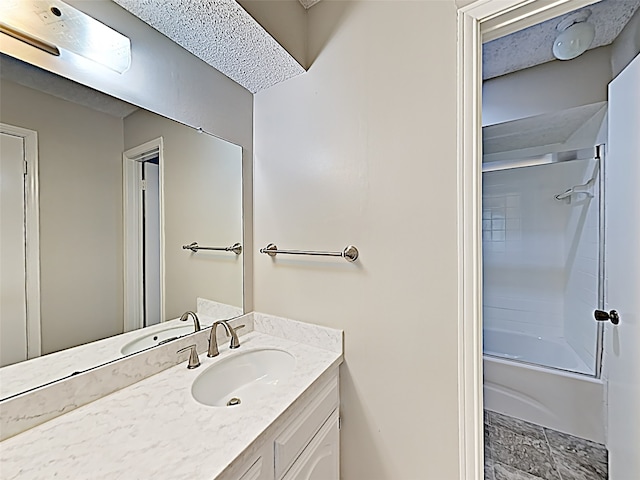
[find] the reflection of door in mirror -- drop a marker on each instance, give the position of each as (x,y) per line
(13,326)
(152,291)
(19,277)
(80,227)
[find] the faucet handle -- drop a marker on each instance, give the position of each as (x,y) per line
(194,360)
(235,342)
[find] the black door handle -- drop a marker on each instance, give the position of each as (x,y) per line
(602,316)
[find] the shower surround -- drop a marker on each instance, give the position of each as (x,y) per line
(541,260)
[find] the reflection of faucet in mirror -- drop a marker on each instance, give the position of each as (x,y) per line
(196,322)
(229,330)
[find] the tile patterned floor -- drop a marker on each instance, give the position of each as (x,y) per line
(518,450)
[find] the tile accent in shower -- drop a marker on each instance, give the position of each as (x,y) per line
(519,450)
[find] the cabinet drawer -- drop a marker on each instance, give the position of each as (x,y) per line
(297,435)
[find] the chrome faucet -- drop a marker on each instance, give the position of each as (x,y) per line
(196,322)
(229,330)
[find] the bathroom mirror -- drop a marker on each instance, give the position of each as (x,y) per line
(119,191)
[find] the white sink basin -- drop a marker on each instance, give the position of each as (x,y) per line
(242,378)
(155,338)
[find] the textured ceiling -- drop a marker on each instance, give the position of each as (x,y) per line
(532,46)
(224,35)
(569,129)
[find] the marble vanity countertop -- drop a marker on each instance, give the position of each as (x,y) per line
(35,372)
(156,429)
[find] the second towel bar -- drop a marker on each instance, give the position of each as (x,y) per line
(194,247)
(350,253)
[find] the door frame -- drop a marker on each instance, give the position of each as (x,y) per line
(133,236)
(479,21)
(32,235)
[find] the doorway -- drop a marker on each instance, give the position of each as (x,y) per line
(144,239)
(20,246)
(482,21)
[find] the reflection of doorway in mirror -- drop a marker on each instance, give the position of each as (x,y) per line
(19,246)
(143,227)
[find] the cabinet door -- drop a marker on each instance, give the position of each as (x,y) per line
(321,459)
(258,466)
(306,424)
(257,471)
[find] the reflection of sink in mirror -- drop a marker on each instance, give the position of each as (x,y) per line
(243,377)
(156,338)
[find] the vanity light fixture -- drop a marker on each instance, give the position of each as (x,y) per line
(576,36)
(62,30)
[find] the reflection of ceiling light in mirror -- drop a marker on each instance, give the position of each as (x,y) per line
(30,39)
(55,24)
(576,36)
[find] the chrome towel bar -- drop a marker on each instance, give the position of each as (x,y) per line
(350,253)
(194,247)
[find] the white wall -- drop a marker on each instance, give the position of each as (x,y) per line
(362,150)
(549,87)
(203,203)
(80,171)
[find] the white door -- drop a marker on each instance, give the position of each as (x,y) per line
(151,175)
(13,301)
(622,287)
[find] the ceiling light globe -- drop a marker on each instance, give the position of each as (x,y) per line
(574,41)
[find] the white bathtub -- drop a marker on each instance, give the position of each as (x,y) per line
(564,401)
(555,353)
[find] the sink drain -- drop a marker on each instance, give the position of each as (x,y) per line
(233,401)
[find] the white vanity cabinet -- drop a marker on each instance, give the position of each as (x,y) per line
(297,441)
(305,446)
(321,459)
